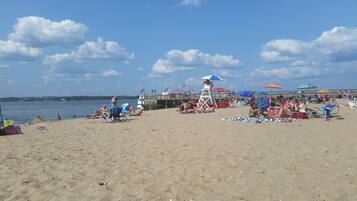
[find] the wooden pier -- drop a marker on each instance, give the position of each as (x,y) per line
(174,100)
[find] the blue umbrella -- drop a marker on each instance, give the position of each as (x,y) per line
(246,93)
(212,78)
(306,87)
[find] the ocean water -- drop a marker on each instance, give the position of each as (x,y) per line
(24,112)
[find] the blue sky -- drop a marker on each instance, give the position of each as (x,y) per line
(118,47)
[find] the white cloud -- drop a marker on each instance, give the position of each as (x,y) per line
(332,54)
(4,65)
(178,60)
(110,73)
(286,73)
(90,51)
(11,82)
(336,45)
(39,32)
(193,82)
(166,66)
(10,50)
(337,39)
(192,3)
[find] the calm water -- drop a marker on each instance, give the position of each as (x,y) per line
(23,112)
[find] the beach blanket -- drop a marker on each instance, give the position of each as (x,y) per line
(255,120)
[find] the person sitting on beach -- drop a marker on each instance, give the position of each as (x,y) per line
(304,109)
(285,108)
(254,111)
(207,85)
(295,105)
(114,110)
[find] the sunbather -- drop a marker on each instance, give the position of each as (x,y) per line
(285,108)
(352,105)
(186,107)
(129,110)
(99,112)
(295,105)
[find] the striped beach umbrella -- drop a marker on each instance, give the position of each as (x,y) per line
(212,78)
(306,87)
(324,91)
(272,85)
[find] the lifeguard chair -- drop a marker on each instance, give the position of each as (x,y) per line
(206,100)
(141,100)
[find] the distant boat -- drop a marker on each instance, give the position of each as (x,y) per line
(63,99)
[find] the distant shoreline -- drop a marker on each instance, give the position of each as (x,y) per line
(62,98)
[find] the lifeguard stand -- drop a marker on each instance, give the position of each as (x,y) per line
(206,99)
(141,99)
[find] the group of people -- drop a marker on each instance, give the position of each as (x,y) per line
(280,107)
(115,110)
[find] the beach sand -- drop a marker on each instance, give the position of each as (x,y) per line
(163,155)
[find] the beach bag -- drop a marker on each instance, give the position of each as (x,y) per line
(299,115)
(12,130)
(8,122)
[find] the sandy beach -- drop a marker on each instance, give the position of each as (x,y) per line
(163,155)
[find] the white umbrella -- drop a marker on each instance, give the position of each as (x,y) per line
(212,78)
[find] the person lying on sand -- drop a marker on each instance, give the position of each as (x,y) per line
(128,108)
(186,107)
(100,111)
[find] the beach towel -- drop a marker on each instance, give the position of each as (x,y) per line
(299,115)
(255,120)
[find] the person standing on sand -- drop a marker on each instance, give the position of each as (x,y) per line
(59,118)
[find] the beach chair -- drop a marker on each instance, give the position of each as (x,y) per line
(262,104)
(328,110)
(111,116)
(352,105)
(124,111)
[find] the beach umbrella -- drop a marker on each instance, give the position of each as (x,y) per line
(324,91)
(272,85)
(246,93)
(212,78)
(306,87)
